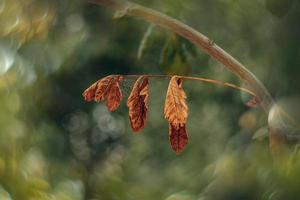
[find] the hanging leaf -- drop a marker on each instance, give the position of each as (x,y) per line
(254,102)
(114,96)
(103,88)
(138,103)
(107,88)
(178,137)
(98,90)
(89,93)
(176,109)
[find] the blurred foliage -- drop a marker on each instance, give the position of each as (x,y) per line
(279,8)
(174,55)
(53,145)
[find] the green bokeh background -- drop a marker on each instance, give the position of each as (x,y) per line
(54,145)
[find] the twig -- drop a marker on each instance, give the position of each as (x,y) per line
(159,19)
(205,80)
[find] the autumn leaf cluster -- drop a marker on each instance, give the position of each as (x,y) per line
(108,90)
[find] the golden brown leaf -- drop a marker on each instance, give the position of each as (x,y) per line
(178,137)
(176,109)
(103,87)
(89,93)
(138,103)
(107,88)
(114,95)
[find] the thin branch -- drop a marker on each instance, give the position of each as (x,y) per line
(205,80)
(200,40)
(217,82)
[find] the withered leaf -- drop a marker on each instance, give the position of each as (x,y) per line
(176,109)
(103,87)
(114,96)
(138,103)
(253,102)
(178,137)
(107,88)
(89,93)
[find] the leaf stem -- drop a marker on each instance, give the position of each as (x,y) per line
(205,80)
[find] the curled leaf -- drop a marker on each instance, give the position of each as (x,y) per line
(176,112)
(176,109)
(89,93)
(178,137)
(107,88)
(103,87)
(114,96)
(138,103)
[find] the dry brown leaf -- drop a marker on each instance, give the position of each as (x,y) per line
(138,103)
(176,109)
(107,88)
(89,93)
(178,137)
(176,112)
(114,95)
(103,87)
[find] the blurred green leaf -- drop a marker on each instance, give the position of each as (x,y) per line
(174,56)
(188,46)
(146,41)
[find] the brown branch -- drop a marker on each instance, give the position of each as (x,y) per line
(157,18)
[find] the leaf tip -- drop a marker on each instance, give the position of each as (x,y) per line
(178,137)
